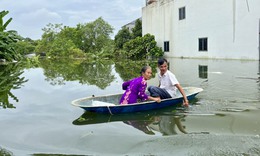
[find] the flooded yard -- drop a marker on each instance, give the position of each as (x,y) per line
(37,118)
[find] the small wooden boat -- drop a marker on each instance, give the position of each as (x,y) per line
(109,104)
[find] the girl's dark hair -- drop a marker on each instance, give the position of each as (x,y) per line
(144,69)
(161,61)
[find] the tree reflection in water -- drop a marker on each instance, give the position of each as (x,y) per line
(58,71)
(99,73)
(90,73)
(129,69)
(9,80)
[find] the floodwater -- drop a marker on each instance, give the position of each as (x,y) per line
(37,118)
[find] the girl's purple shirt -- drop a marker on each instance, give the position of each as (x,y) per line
(135,89)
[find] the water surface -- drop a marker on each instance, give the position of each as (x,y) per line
(37,118)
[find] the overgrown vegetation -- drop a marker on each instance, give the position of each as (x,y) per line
(8,39)
(10,79)
(85,40)
(131,44)
(88,40)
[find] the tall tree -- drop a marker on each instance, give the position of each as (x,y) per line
(94,35)
(137,30)
(50,33)
(122,37)
(142,48)
(92,38)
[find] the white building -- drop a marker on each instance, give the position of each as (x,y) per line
(131,25)
(222,29)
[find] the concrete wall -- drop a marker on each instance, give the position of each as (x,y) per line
(231,26)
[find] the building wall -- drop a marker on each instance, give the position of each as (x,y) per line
(231,26)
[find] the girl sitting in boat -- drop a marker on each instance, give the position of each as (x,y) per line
(135,88)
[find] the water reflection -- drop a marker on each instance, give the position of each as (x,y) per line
(203,71)
(165,124)
(228,95)
(258,71)
(258,78)
(9,80)
(57,72)
(227,110)
(100,74)
(130,69)
(169,124)
(163,121)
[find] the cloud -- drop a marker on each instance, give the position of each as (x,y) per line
(40,17)
(30,24)
(30,16)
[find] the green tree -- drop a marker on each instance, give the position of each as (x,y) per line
(69,33)
(151,48)
(58,41)
(61,47)
(122,37)
(142,48)
(137,30)
(93,36)
(133,46)
(48,37)
(25,46)
(8,40)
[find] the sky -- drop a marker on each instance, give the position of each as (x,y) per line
(31,16)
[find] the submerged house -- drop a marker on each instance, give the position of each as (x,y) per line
(222,29)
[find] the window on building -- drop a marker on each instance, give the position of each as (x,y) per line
(182,13)
(203,44)
(166,46)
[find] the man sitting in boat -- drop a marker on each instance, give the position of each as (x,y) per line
(168,84)
(135,88)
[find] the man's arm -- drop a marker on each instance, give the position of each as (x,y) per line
(186,102)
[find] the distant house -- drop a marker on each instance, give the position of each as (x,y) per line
(221,29)
(131,25)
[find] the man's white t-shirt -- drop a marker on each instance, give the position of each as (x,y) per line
(168,82)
